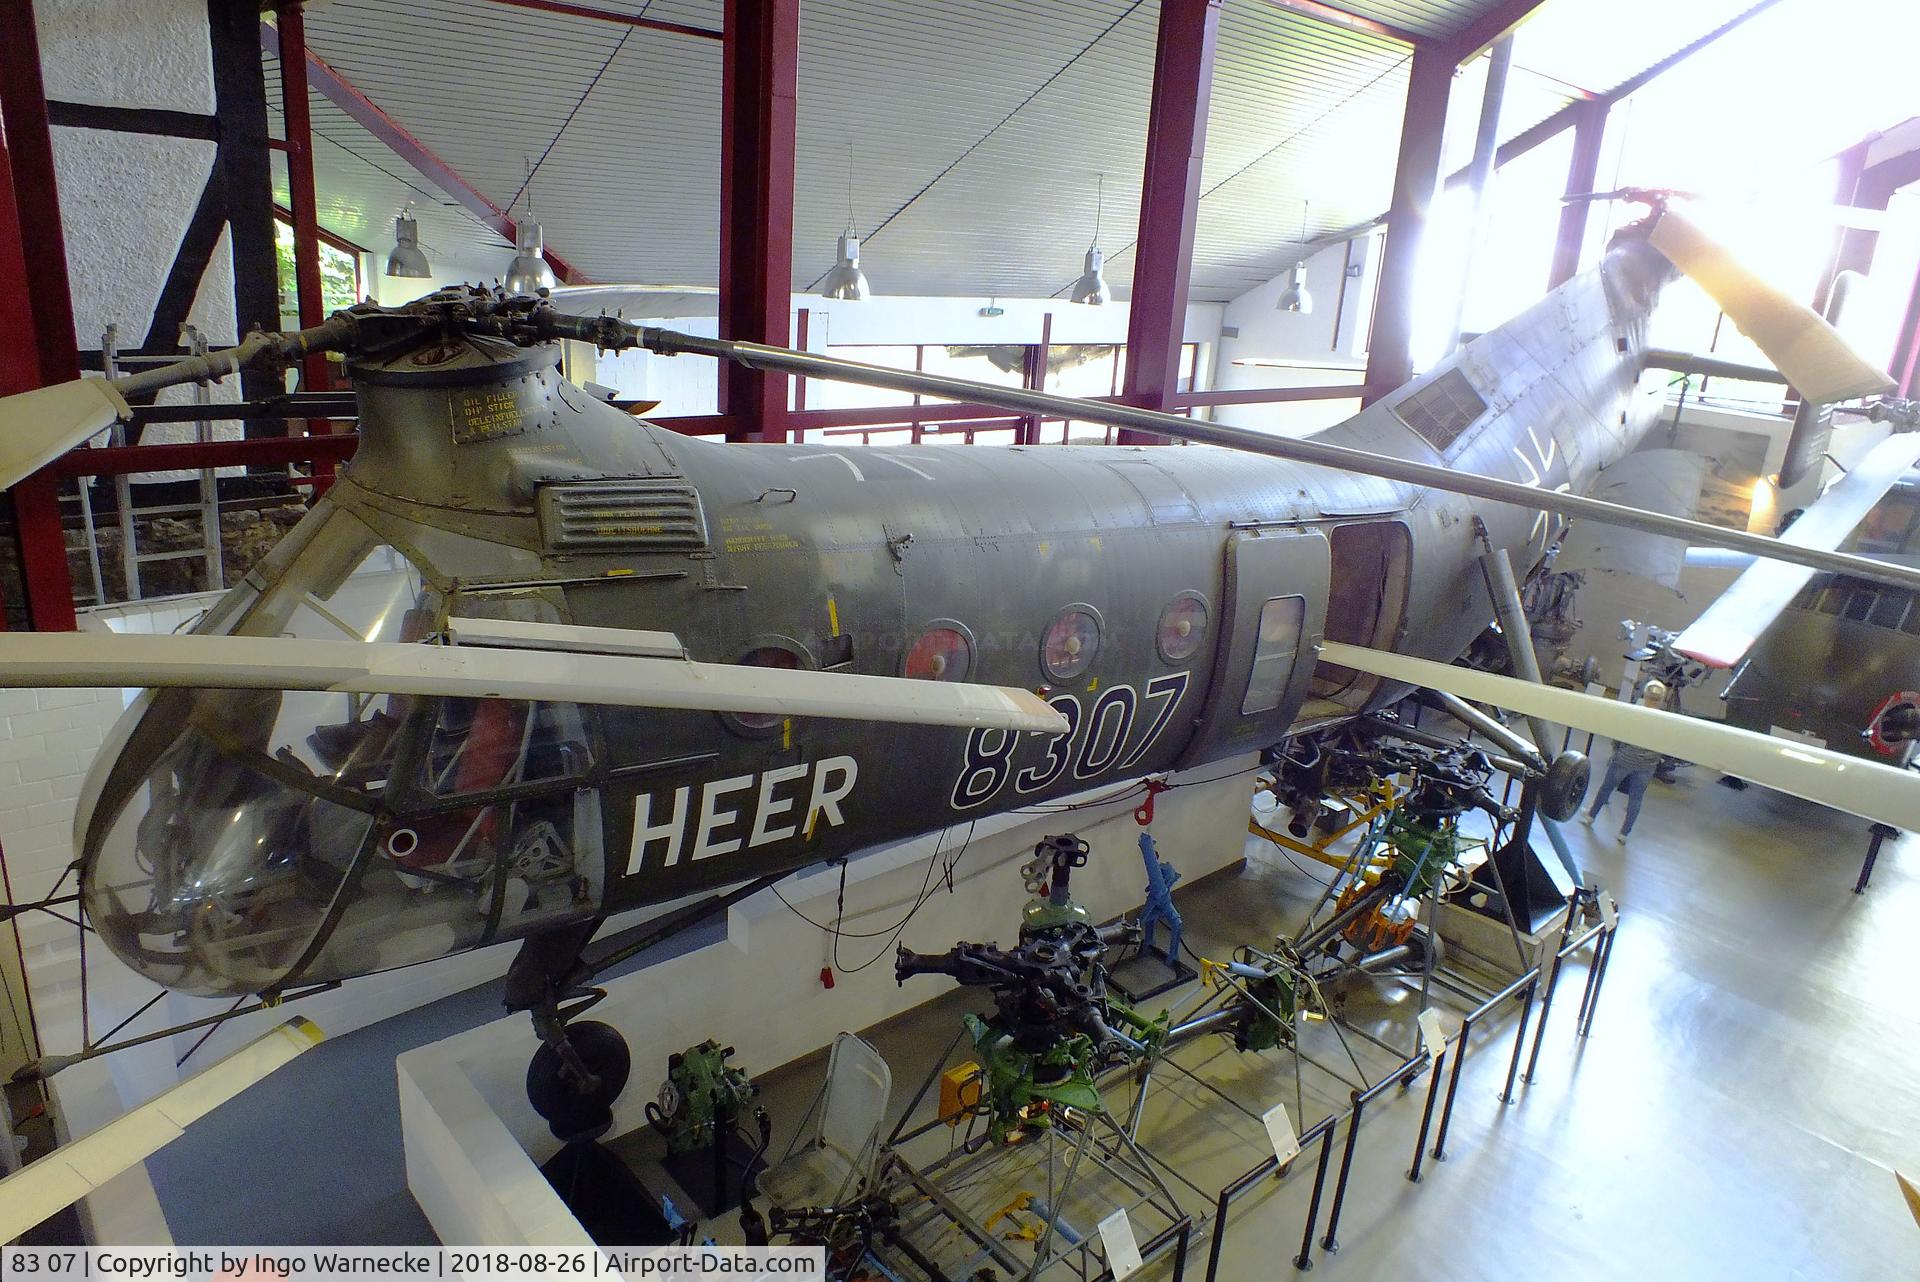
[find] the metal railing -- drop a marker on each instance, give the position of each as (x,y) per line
(1524,990)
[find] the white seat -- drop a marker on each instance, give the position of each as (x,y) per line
(838,1161)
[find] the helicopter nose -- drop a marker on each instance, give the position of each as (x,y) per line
(213,876)
(249,841)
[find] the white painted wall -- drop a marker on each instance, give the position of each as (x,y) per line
(1262,346)
(689,384)
(390,291)
(473,1143)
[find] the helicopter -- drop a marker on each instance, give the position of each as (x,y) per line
(530,662)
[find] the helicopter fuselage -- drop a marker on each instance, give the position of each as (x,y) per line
(1168,602)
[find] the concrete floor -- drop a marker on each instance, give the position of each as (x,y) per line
(1748,1087)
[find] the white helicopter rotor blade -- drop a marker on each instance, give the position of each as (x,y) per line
(74,1170)
(1724,633)
(37,427)
(94,659)
(1860,787)
(1801,344)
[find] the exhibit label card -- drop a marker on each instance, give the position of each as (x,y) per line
(1286,1145)
(1123,1253)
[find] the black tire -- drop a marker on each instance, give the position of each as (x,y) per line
(1565,786)
(574,1114)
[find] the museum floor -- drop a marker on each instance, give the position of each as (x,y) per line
(1749,1082)
(1748,1085)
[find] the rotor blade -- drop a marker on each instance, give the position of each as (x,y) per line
(613,334)
(1723,634)
(1860,787)
(37,427)
(74,1170)
(1810,352)
(374,667)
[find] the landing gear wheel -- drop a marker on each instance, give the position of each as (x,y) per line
(1428,951)
(1565,786)
(574,1114)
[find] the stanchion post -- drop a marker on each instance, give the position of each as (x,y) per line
(1332,1242)
(1599,979)
(1519,1038)
(1304,1260)
(1453,1088)
(1546,999)
(1426,1117)
(1586,994)
(1219,1235)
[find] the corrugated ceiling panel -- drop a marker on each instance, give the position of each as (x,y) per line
(1439,18)
(361,186)
(978,131)
(1014,109)
(1302,130)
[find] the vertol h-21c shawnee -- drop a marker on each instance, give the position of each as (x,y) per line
(530,662)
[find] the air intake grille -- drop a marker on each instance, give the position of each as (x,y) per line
(622,514)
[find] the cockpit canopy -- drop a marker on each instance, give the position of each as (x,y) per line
(244,841)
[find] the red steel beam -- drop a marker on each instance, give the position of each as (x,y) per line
(343,94)
(604,15)
(1036,376)
(1905,366)
(869,416)
(1169,201)
(1589,131)
(129,460)
(302,202)
(1415,180)
(1351,21)
(41,322)
(1271,395)
(759,99)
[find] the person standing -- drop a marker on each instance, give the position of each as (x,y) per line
(1630,767)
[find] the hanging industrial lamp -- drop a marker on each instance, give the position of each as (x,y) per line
(1091,288)
(407,258)
(529,272)
(846,281)
(1295,298)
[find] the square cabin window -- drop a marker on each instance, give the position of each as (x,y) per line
(1273,654)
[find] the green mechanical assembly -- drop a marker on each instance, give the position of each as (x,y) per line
(701,1089)
(1047,876)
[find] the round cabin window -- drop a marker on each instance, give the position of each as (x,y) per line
(943,652)
(1183,625)
(1072,640)
(766,656)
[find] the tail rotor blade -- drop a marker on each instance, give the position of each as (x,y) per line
(1810,352)
(39,426)
(1858,786)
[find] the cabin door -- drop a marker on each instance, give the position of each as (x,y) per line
(1273,607)
(1366,605)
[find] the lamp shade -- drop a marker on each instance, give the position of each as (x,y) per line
(1295,298)
(1091,289)
(529,273)
(846,280)
(407,258)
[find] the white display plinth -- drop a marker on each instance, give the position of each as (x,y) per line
(474,1144)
